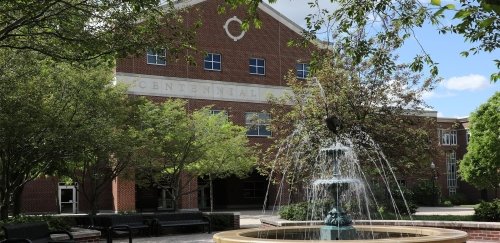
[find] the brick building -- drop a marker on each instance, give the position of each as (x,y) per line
(238,72)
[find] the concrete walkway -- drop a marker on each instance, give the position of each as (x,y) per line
(251,219)
(455,210)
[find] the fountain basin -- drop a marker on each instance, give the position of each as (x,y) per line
(402,234)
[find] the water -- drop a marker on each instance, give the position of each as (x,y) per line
(333,174)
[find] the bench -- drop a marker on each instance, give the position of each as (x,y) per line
(180,219)
(37,232)
(121,224)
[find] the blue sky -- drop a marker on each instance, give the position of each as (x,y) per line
(466,83)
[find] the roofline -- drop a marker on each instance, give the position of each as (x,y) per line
(453,119)
(262,6)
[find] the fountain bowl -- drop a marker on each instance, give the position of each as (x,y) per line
(411,235)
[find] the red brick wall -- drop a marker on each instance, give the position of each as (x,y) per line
(40,196)
(478,234)
(189,194)
(123,189)
(269,43)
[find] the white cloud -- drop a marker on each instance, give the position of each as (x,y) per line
(468,82)
(433,94)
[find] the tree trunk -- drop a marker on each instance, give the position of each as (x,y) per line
(17,201)
(4,212)
(211,193)
(4,209)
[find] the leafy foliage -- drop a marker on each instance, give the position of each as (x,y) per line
(372,106)
(426,194)
(46,109)
(176,142)
(482,160)
(54,222)
(488,211)
(373,28)
(84,30)
(315,210)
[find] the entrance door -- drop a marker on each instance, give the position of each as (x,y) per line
(68,199)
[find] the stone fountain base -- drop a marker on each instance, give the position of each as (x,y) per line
(337,233)
(386,234)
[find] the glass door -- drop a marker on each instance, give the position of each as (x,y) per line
(68,199)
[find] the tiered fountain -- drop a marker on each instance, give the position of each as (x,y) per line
(338,226)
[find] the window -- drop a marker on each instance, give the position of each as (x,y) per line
(257,124)
(257,66)
(451,171)
(217,112)
(156,57)
(302,70)
(212,62)
(254,190)
(447,137)
(467,136)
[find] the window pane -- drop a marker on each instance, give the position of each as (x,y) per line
(260,70)
(299,67)
(208,57)
(161,60)
(250,118)
(260,62)
(216,57)
(264,117)
(216,66)
(252,130)
(263,131)
(253,69)
(252,62)
(151,59)
(208,65)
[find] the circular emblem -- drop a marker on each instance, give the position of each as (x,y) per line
(226,27)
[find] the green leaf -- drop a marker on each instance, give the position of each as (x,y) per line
(463,13)
(450,6)
(436,2)
(487,22)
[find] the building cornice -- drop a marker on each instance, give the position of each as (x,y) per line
(151,85)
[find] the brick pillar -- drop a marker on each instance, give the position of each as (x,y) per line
(123,194)
(189,199)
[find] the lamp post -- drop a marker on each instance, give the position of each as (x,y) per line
(433,179)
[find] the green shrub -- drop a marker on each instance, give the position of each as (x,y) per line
(447,203)
(457,199)
(385,202)
(54,222)
(488,211)
(221,221)
(315,210)
(426,194)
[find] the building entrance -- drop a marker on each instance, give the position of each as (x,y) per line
(68,198)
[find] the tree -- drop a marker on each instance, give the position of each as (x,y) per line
(375,115)
(480,165)
(108,139)
(371,28)
(44,111)
(182,144)
(79,30)
(228,151)
(170,145)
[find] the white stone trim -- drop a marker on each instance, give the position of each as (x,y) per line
(151,85)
